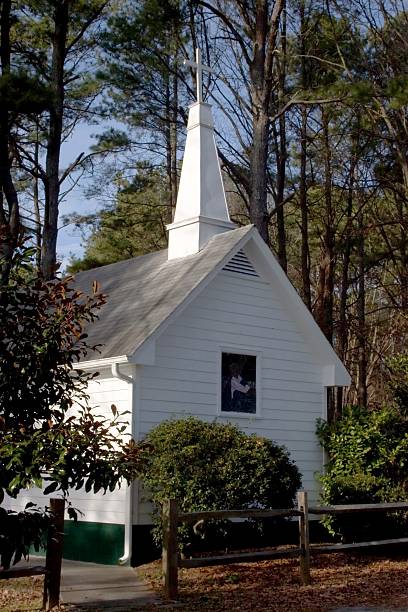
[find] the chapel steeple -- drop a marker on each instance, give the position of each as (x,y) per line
(201,209)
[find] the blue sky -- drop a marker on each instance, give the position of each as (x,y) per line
(69,238)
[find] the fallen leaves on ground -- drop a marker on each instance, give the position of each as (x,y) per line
(21,594)
(337,580)
(267,586)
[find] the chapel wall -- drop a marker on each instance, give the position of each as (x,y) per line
(238,311)
(96,508)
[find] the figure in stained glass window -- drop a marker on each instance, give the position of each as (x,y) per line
(238,383)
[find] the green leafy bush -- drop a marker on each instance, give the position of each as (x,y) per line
(368,463)
(21,530)
(210,466)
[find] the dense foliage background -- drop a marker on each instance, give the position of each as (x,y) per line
(367,455)
(310,100)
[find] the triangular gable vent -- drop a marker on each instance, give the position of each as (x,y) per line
(240,264)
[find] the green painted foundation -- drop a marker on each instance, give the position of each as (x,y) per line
(93,542)
(103,543)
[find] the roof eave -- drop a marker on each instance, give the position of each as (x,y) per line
(104,362)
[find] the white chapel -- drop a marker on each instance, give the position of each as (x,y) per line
(211,327)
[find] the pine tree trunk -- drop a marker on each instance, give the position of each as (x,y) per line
(9,207)
(280,190)
(52,185)
(361,323)
(261,75)
(402,212)
(281,156)
(324,311)
(167,135)
(257,182)
(342,334)
(173,142)
(257,37)
(305,252)
(36,203)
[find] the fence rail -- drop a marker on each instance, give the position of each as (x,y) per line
(53,560)
(247,557)
(172,518)
(345,509)
(193,517)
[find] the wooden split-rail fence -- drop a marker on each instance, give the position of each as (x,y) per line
(172,518)
(53,560)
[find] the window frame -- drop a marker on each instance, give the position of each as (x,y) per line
(239,350)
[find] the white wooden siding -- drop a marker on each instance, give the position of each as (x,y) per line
(101,508)
(236,311)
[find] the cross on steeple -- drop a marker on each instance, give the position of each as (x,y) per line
(200,67)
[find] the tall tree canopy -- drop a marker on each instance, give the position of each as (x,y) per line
(311,105)
(47,88)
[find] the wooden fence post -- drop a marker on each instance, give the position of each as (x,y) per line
(170,548)
(53,561)
(303,507)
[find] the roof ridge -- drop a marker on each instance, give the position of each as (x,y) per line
(121,261)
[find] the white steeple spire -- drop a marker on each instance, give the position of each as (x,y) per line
(201,209)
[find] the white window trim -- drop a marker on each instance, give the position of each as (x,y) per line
(240,350)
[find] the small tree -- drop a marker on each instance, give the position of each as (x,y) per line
(47,429)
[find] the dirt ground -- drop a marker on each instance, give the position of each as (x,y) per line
(337,581)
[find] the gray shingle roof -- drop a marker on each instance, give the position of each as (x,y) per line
(144,291)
